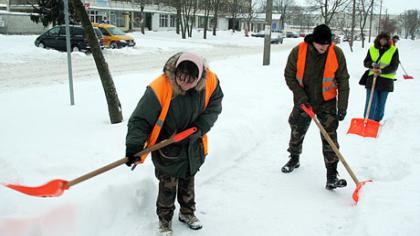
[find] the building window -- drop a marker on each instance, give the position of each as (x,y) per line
(173,21)
(163,20)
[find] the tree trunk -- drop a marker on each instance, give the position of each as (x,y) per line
(216,11)
(142,18)
(114,105)
(178,17)
(353,19)
(206,20)
(371,19)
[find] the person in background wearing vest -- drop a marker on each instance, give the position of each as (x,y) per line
(382,59)
(196,101)
(316,72)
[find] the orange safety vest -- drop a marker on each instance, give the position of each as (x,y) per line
(163,90)
(329,88)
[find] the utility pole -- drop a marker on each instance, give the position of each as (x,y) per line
(353,24)
(69,67)
(267,37)
(371,17)
(380,14)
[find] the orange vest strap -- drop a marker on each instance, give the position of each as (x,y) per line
(163,91)
(301,61)
(211,85)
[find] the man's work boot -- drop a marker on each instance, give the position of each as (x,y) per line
(165,228)
(191,221)
(291,164)
(332,181)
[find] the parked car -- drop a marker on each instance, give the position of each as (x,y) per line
(55,38)
(291,35)
(114,37)
(276,36)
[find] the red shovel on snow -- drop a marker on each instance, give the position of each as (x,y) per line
(406,76)
(56,187)
(365,127)
(359,184)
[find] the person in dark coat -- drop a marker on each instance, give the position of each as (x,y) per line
(382,60)
(187,75)
(316,73)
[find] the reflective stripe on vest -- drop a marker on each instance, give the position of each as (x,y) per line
(384,61)
(163,90)
(329,88)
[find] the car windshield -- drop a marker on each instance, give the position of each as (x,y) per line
(116,31)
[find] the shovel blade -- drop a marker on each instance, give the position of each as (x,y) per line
(368,128)
(54,188)
(408,77)
(357,190)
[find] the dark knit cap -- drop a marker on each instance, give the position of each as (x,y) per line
(322,34)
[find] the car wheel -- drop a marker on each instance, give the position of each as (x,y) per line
(41,45)
(114,45)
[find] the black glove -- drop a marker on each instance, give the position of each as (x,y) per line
(341,115)
(196,135)
(132,159)
(304,102)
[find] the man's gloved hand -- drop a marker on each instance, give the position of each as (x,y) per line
(305,102)
(132,158)
(195,135)
(341,115)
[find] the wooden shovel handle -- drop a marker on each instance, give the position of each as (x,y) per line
(175,138)
(310,112)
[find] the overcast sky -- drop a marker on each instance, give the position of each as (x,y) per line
(393,6)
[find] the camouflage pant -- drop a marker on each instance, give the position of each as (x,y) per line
(169,188)
(299,123)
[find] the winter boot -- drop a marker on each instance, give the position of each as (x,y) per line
(332,181)
(191,221)
(165,228)
(291,164)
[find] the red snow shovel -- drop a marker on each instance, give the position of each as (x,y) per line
(406,76)
(56,187)
(359,184)
(364,126)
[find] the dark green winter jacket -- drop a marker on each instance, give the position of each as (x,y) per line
(186,110)
(312,79)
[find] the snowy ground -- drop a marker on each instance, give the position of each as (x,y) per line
(240,189)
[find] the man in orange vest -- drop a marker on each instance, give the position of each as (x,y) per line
(186,95)
(316,72)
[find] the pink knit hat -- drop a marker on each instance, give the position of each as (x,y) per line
(197,60)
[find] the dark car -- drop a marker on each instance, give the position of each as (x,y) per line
(55,38)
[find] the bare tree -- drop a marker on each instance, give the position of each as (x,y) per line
(250,15)
(216,5)
(234,13)
(371,19)
(329,8)
(114,105)
(283,7)
(363,9)
(207,9)
(186,16)
(411,23)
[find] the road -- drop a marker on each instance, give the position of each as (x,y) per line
(49,71)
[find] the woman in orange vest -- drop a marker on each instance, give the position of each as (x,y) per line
(186,95)
(317,75)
